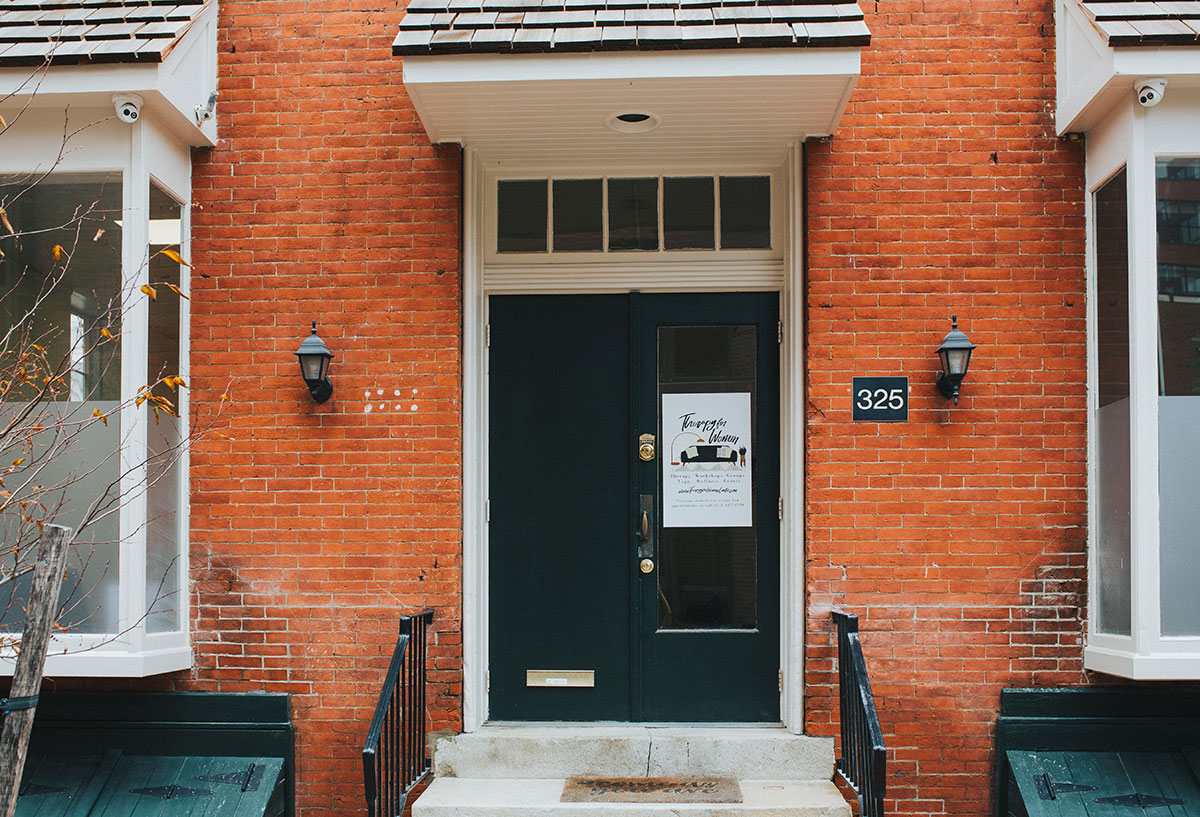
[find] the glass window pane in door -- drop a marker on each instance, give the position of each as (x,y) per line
(1178,182)
(633,214)
(707,574)
(578,215)
(689,214)
(1112,416)
(521,211)
(745,212)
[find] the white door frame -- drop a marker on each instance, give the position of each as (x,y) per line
(785,276)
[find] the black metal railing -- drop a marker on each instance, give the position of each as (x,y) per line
(863,764)
(395,758)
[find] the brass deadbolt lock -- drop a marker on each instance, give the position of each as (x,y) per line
(646,565)
(646,447)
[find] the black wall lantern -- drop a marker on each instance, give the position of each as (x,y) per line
(955,354)
(314,357)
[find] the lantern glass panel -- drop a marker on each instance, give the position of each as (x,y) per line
(314,367)
(954,361)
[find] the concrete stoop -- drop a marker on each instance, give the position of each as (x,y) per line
(519,771)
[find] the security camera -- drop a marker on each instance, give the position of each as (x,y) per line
(204,112)
(129,107)
(1150,91)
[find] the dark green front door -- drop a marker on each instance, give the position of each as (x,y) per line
(626,587)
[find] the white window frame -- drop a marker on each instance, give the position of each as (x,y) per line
(143,151)
(623,270)
(1135,138)
(658,256)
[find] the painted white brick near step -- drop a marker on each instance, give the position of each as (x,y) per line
(560,751)
(457,797)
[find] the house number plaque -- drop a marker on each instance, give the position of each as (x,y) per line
(880,399)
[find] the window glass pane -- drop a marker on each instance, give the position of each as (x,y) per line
(578,215)
(688,214)
(521,216)
(1179,392)
(633,214)
(164,560)
(707,575)
(63,315)
(1112,419)
(745,212)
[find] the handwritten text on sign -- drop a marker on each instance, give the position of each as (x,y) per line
(707,460)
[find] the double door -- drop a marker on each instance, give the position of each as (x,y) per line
(633,532)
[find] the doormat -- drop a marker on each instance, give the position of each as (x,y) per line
(651,790)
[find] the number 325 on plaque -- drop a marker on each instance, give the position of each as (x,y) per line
(880,399)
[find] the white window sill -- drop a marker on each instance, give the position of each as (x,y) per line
(103,662)
(1175,666)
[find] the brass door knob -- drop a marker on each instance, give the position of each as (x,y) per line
(646,565)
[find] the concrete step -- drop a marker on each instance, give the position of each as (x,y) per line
(526,797)
(561,751)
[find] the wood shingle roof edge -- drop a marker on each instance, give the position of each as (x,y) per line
(86,32)
(437,27)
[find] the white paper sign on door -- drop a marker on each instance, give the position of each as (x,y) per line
(706,460)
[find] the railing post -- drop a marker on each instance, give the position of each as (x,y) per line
(863,760)
(394,753)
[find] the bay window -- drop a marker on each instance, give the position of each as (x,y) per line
(92,289)
(95,186)
(1144,393)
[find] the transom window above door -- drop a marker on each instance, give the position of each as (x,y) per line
(635,214)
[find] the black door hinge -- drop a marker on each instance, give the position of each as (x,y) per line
(1139,800)
(171,792)
(1047,789)
(248,778)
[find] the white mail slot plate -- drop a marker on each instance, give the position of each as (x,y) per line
(560,677)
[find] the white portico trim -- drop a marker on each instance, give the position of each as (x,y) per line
(780,270)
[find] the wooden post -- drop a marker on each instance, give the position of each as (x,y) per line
(27,677)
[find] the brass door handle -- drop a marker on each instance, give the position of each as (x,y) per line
(646,532)
(646,565)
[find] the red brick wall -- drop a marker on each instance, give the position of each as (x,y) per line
(315,527)
(959,536)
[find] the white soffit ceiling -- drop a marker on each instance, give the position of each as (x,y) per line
(744,105)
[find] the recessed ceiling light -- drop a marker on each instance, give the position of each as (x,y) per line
(633,121)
